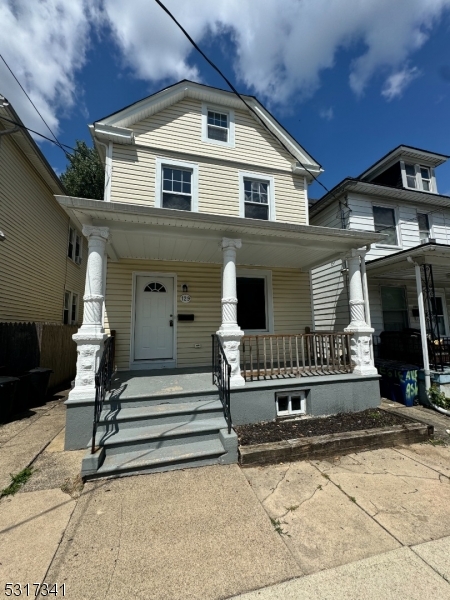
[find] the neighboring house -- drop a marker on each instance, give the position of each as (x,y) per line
(397,196)
(43,255)
(204,229)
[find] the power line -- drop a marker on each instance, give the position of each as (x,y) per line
(228,82)
(41,135)
(32,103)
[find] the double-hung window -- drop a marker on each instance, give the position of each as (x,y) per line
(418,177)
(217,125)
(176,185)
(257,196)
(385,222)
(74,246)
(70,316)
(426,179)
(411,180)
(424,226)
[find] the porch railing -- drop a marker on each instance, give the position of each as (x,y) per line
(103,382)
(221,374)
(295,355)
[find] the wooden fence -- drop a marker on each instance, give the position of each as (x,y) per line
(25,346)
(295,355)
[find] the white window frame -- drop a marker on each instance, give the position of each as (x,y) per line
(71,296)
(440,293)
(397,226)
(268,293)
(289,411)
(230,143)
(430,222)
(77,259)
(264,178)
(181,164)
(418,175)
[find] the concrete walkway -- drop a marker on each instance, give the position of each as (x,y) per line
(369,525)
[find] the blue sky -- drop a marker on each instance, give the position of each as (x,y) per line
(349,79)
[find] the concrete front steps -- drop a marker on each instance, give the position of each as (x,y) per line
(160,433)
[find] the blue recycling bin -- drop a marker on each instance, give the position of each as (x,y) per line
(398,381)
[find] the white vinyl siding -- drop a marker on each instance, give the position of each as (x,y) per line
(291,305)
(33,258)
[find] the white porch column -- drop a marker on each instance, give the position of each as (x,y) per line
(423,325)
(230,333)
(91,335)
(361,343)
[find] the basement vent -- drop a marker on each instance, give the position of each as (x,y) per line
(292,403)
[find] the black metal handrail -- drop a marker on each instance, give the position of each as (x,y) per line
(221,375)
(103,378)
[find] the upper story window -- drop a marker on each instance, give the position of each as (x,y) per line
(257,195)
(176,185)
(385,222)
(74,247)
(70,316)
(418,177)
(424,226)
(217,125)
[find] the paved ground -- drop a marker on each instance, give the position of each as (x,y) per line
(368,525)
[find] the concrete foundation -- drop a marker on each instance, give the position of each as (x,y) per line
(325,395)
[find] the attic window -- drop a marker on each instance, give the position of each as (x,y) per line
(418,177)
(217,125)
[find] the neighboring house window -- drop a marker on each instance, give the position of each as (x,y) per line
(385,222)
(438,306)
(217,125)
(426,178)
(257,197)
(418,177)
(411,176)
(395,309)
(176,185)
(424,226)
(74,246)
(70,316)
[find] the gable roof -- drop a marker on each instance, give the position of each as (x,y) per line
(28,146)
(409,153)
(116,126)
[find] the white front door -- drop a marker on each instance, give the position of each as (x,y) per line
(153,329)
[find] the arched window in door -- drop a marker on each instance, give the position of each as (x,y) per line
(154,286)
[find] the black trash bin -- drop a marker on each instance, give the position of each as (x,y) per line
(8,386)
(39,379)
(23,394)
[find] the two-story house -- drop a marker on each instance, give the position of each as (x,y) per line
(408,273)
(42,256)
(202,249)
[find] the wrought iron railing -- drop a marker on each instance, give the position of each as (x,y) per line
(295,355)
(221,375)
(103,378)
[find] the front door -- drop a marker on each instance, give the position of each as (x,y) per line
(153,330)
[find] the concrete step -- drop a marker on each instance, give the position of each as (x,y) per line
(179,456)
(157,436)
(158,414)
(124,400)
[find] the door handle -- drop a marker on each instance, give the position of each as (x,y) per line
(171,322)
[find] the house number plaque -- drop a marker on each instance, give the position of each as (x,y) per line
(185,298)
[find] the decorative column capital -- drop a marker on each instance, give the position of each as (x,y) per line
(355,253)
(230,243)
(93,231)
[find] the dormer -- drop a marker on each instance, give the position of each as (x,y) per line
(406,167)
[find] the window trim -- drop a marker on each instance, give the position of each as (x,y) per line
(77,309)
(181,164)
(268,292)
(230,143)
(399,245)
(75,259)
(430,223)
(289,412)
(418,175)
(269,179)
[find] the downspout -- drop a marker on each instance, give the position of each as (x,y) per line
(423,326)
(108,169)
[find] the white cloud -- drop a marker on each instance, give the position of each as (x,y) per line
(396,83)
(280,47)
(327,113)
(45,45)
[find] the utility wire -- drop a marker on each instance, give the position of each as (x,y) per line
(228,82)
(33,104)
(41,135)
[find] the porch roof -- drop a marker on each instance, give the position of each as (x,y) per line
(144,232)
(396,266)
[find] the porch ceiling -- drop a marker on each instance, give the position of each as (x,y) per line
(397,267)
(143,232)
